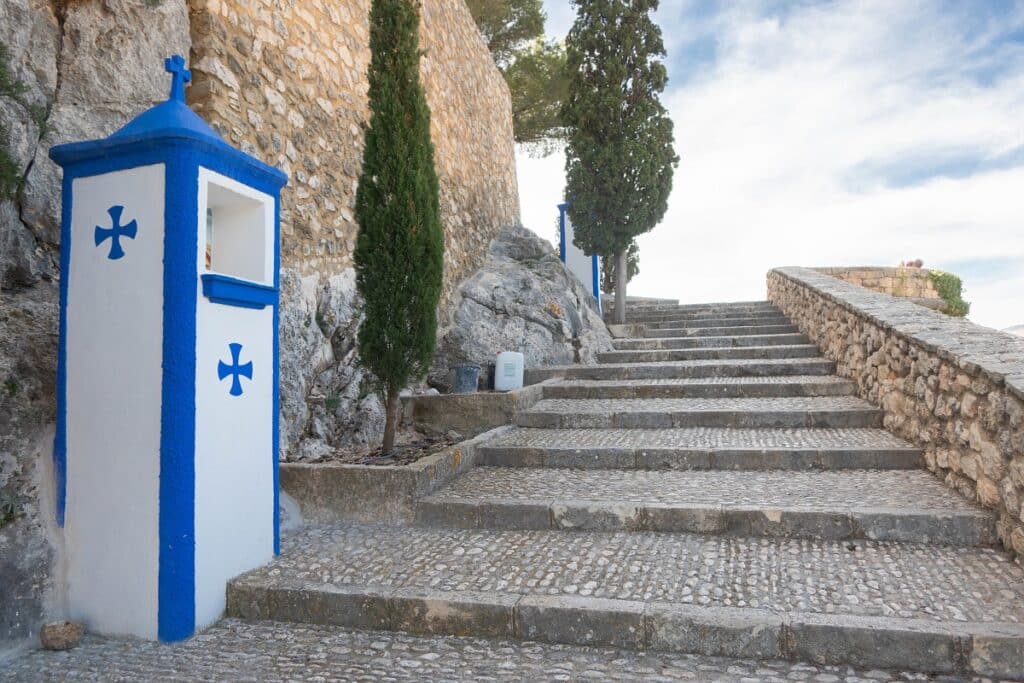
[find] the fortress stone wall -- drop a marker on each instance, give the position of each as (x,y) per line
(286,82)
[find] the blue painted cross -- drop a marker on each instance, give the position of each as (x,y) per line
(115,233)
(235,370)
(175,65)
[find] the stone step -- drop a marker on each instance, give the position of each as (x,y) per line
(713,387)
(238,650)
(694,308)
(685,369)
(858,603)
(721,331)
(714,353)
(708,342)
(732,321)
(912,506)
(661,413)
(700,449)
(648,317)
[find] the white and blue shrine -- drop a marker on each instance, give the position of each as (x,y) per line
(167,402)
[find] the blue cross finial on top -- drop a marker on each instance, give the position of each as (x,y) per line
(175,65)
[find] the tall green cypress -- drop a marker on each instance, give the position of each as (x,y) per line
(619,158)
(399,254)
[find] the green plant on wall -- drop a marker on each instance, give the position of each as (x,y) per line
(951,290)
(13,89)
(10,508)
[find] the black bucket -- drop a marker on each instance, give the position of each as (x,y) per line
(467,378)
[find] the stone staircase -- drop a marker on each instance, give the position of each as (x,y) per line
(709,488)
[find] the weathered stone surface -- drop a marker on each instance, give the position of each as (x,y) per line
(110,66)
(326,402)
(30,32)
(60,635)
(87,67)
(27,359)
(270,651)
(905,283)
(287,82)
(945,384)
(523,299)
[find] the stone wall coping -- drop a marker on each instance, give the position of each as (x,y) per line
(332,491)
(998,356)
(886,270)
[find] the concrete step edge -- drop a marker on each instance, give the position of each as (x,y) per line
(625,390)
(660,419)
(960,528)
(702,459)
(987,649)
(727,342)
(713,353)
(738,331)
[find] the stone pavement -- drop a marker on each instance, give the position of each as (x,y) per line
(674,510)
(692,494)
(267,651)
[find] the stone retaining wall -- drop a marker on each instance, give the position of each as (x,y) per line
(287,83)
(908,283)
(951,387)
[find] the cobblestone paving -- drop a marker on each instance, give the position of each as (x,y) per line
(679,405)
(699,437)
(701,363)
(652,343)
(239,651)
(689,381)
(827,491)
(862,578)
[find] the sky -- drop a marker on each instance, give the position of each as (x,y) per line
(832,133)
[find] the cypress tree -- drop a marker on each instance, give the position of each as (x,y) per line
(399,254)
(619,158)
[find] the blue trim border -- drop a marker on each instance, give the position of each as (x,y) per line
(232,291)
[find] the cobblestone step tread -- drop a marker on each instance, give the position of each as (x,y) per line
(663,405)
(658,413)
(700,448)
(774,351)
(277,651)
(720,331)
(865,604)
(703,387)
(880,505)
(719,321)
(735,367)
(654,343)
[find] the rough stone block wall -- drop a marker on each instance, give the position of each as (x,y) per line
(286,82)
(951,387)
(909,283)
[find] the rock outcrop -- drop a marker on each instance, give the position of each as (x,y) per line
(84,69)
(326,402)
(523,299)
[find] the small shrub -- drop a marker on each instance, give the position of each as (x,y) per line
(951,289)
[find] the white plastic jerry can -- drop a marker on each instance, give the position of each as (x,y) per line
(508,371)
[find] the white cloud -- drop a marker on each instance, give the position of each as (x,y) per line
(805,141)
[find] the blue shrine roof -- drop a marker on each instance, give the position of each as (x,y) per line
(170,120)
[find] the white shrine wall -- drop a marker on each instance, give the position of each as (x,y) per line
(234,462)
(114,320)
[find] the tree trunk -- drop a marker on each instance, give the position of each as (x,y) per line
(393,410)
(620,287)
